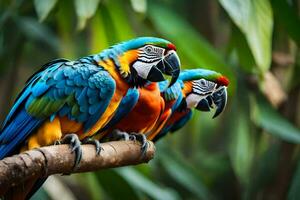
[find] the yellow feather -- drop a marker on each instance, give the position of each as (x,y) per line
(125,61)
(121,89)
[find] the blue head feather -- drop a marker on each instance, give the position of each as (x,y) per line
(141,41)
(194,74)
(136,43)
(173,92)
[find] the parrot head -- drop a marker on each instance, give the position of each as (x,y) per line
(208,90)
(145,59)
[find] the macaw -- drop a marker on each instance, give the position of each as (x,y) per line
(75,99)
(167,108)
(201,89)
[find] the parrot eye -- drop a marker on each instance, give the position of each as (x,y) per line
(150,54)
(148,49)
(152,51)
(203,87)
(203,82)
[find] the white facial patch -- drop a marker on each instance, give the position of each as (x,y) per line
(142,68)
(192,100)
(149,56)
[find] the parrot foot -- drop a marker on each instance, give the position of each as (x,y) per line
(75,144)
(96,143)
(142,139)
(120,135)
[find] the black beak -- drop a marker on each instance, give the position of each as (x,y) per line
(218,98)
(155,75)
(170,65)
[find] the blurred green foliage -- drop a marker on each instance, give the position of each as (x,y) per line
(250,152)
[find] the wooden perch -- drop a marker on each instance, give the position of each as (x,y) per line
(59,159)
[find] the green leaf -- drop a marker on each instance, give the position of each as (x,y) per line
(265,169)
(99,40)
(43,8)
(212,165)
(294,192)
(184,174)
(288,18)
(65,29)
(242,49)
(192,47)
(255,19)
(265,116)
(140,182)
(36,31)
(242,140)
(85,9)
(120,20)
(110,31)
(90,183)
(116,186)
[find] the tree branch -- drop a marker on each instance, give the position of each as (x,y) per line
(59,159)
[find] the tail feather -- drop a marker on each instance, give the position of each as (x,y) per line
(16,132)
(13,135)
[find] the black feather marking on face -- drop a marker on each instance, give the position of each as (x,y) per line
(182,106)
(152,51)
(148,54)
(203,87)
(134,80)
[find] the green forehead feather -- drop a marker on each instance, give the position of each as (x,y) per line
(160,44)
(142,41)
(195,74)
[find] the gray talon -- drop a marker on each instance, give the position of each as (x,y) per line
(75,144)
(119,135)
(96,143)
(142,139)
(132,137)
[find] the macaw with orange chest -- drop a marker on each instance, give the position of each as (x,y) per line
(146,112)
(75,99)
(154,115)
(200,89)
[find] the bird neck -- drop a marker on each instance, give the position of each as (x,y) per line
(121,85)
(116,60)
(187,88)
(151,86)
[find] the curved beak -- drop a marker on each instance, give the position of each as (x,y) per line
(170,65)
(217,99)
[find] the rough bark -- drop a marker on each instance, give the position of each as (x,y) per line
(59,159)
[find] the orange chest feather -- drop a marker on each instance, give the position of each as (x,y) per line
(167,111)
(146,112)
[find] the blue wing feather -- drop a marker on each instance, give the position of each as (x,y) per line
(106,86)
(57,82)
(16,132)
(180,123)
(26,92)
(174,127)
(174,92)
